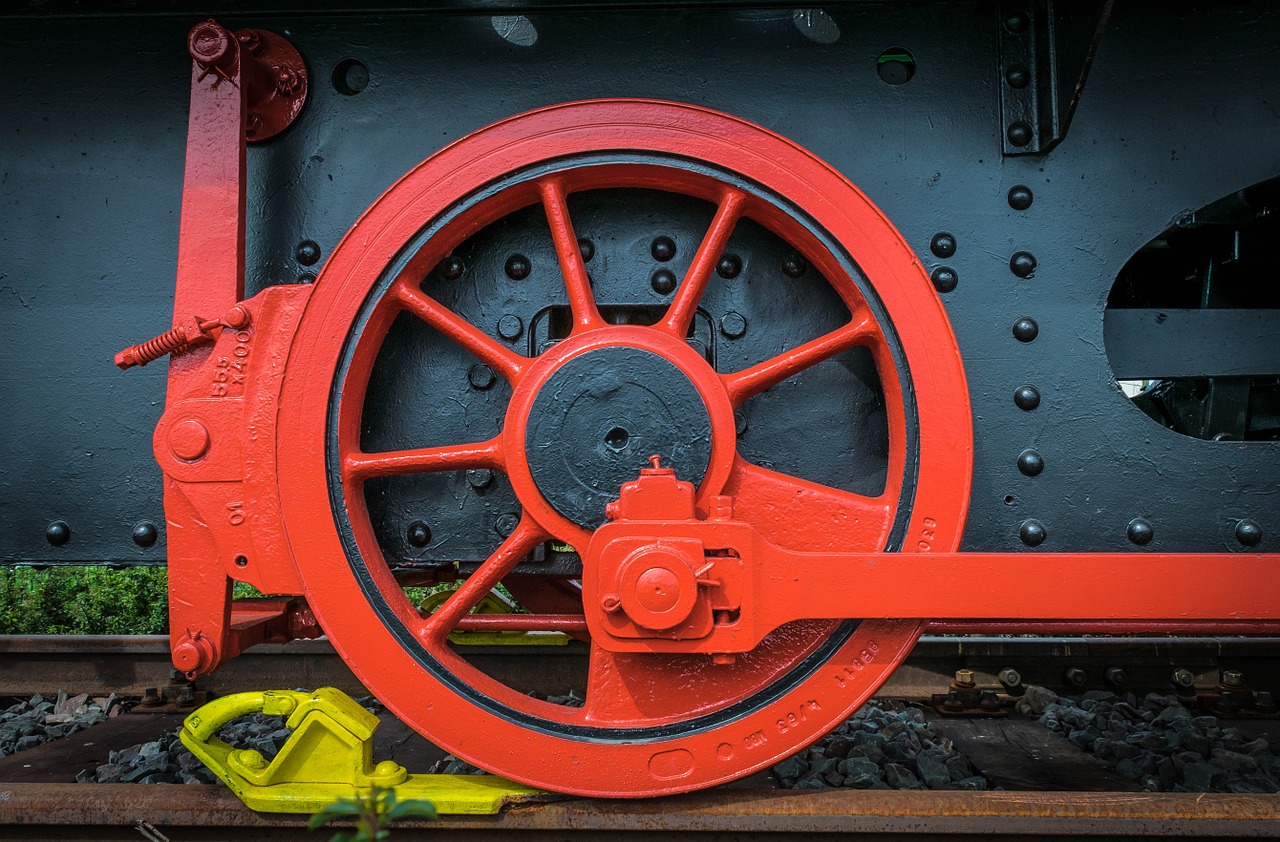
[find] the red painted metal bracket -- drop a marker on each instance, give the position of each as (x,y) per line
(246,86)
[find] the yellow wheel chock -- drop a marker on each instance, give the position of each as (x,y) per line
(328,756)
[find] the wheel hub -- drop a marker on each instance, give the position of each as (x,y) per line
(598,417)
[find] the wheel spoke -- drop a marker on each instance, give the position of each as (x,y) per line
(360,466)
(491,352)
(805,516)
(689,293)
(582,302)
(511,552)
(754,380)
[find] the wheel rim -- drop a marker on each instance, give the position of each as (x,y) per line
(652,724)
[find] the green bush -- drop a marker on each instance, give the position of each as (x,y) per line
(84,600)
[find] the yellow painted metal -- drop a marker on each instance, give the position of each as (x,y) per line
(493,603)
(328,756)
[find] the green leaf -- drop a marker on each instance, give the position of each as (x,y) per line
(413,807)
(344,808)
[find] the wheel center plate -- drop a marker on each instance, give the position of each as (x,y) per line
(598,418)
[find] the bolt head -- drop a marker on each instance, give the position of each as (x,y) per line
(1183,677)
(964,678)
(1019,134)
(944,279)
(57,533)
(1017,76)
(1140,531)
(145,533)
(733,325)
(729,266)
(307,252)
(663,282)
(943,244)
(1233,678)
(1017,21)
(1032,532)
(1023,264)
(479,478)
(481,377)
(517,267)
(1026,398)
(510,327)
(1030,462)
(418,534)
(209,44)
(1248,532)
(506,523)
(451,268)
(662,249)
(794,266)
(1020,197)
(189,440)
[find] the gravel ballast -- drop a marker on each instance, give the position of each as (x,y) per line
(37,720)
(884,745)
(1157,742)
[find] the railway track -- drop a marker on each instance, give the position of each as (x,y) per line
(68,812)
(1051,789)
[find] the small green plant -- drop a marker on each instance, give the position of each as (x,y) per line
(372,811)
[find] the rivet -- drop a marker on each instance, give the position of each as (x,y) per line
(663,282)
(729,266)
(793,265)
(587,249)
(480,376)
(1019,134)
(1020,197)
(662,249)
(739,421)
(1025,329)
(506,524)
(1026,397)
(57,532)
(451,268)
(418,534)
(307,252)
(479,478)
(1140,531)
(1248,532)
(1022,264)
(943,244)
(145,533)
(1032,532)
(1017,22)
(510,327)
(307,278)
(733,325)
(1030,462)
(189,439)
(517,267)
(1017,76)
(944,279)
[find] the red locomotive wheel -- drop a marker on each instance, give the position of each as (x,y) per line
(651,723)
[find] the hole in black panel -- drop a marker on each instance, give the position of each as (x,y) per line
(350,76)
(896,66)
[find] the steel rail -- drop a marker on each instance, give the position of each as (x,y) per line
(129,665)
(114,811)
